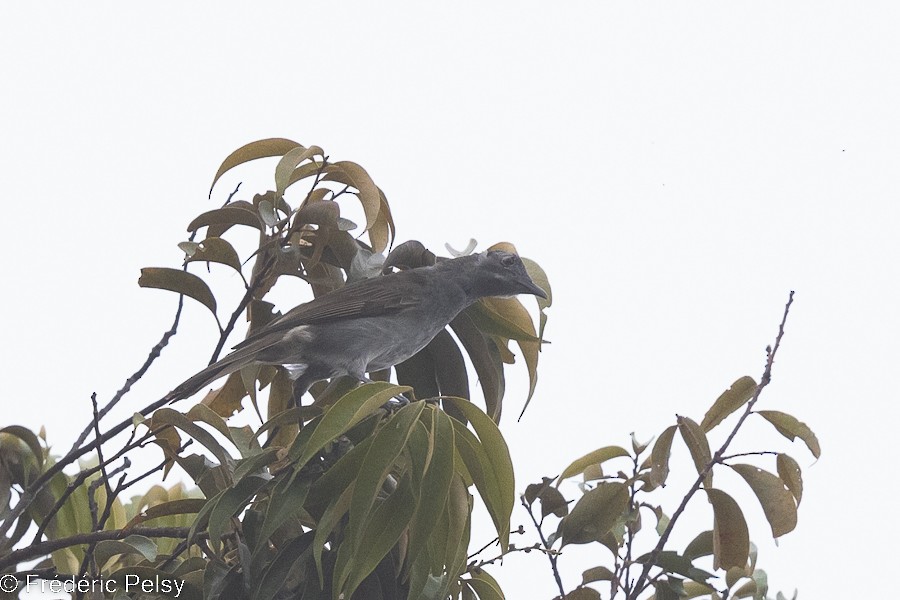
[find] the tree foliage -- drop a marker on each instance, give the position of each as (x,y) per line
(357,495)
(352,495)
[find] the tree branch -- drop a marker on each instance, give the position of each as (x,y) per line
(717,457)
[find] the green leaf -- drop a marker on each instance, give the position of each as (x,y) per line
(662,520)
(672,562)
(757,587)
(740,392)
(387,446)
(236,213)
(255,464)
(287,500)
(267,213)
(500,465)
(180,282)
(598,456)
(776,500)
(731,538)
(789,471)
(485,359)
(597,574)
(182,506)
(350,173)
(231,503)
(485,586)
(217,250)
(788,426)
(435,484)
(252,151)
(284,170)
(169,416)
(276,573)
(698,446)
(344,414)
(380,460)
(133,544)
(505,317)
(386,524)
(594,515)
(702,545)
(583,593)
(693,589)
(330,519)
(31,440)
(659,457)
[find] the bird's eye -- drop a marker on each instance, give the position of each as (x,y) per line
(508,261)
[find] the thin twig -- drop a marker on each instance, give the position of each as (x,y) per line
(551,556)
(44,548)
(137,375)
(717,457)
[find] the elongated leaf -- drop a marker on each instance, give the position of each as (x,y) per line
(217,250)
(595,513)
(286,501)
(789,471)
(226,400)
(382,230)
(659,457)
(600,573)
(381,458)
(169,416)
(698,446)
(350,173)
(389,442)
(731,538)
(276,573)
(387,522)
(30,439)
(252,151)
(486,360)
(180,282)
(346,412)
(133,544)
(435,484)
(702,545)
(788,426)
(485,586)
(182,506)
(242,213)
(256,464)
(505,317)
(598,456)
(586,593)
(740,392)
(500,465)
(672,562)
(288,163)
(231,503)
(776,500)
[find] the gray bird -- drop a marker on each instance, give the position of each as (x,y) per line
(372,324)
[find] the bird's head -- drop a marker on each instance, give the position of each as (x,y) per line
(498,273)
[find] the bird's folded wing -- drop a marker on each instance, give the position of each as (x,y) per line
(371,298)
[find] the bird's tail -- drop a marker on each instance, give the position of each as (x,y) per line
(226,366)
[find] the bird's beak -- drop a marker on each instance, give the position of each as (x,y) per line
(532,288)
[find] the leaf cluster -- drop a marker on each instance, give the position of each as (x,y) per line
(617,490)
(365,493)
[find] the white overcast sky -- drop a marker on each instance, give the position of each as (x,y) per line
(677,168)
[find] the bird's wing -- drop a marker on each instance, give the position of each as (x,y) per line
(369,298)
